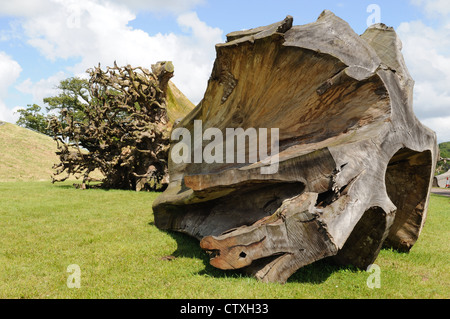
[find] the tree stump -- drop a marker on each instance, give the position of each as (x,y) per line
(353,165)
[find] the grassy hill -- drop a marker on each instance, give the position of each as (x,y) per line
(25,155)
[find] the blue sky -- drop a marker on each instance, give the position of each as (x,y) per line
(45,41)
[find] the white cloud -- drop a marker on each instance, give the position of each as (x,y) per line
(6,114)
(433,7)
(42,88)
(27,8)
(9,72)
(97,31)
(427,54)
(24,8)
(176,6)
(441,125)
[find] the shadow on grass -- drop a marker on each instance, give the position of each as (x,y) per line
(64,186)
(189,247)
(77,185)
(315,273)
(318,272)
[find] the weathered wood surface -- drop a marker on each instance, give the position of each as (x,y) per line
(354,163)
(442,180)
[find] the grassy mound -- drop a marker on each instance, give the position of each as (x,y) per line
(25,155)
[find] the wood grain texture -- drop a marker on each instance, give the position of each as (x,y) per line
(354,163)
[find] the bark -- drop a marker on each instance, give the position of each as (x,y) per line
(354,163)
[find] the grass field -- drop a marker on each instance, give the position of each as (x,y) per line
(110,235)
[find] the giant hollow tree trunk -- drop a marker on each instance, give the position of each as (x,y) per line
(343,165)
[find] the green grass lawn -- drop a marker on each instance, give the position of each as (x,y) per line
(111,236)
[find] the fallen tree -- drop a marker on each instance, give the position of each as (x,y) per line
(123,131)
(353,169)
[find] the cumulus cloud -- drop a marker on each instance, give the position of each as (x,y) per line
(427,54)
(441,126)
(6,114)
(424,50)
(98,32)
(433,7)
(27,8)
(42,88)
(9,72)
(24,8)
(176,6)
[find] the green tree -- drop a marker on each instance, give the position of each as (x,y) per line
(73,98)
(32,118)
(445,149)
